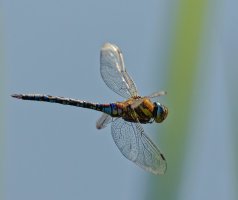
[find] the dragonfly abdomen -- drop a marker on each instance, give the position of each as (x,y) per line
(62,100)
(111,109)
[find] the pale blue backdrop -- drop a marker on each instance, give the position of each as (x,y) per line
(52,47)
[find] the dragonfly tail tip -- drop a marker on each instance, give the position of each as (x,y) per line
(18,96)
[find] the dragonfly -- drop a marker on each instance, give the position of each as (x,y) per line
(126,117)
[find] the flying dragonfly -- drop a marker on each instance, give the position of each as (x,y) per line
(125,117)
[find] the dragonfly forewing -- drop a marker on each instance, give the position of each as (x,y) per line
(138,101)
(157,94)
(113,71)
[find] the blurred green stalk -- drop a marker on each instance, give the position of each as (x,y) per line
(182,71)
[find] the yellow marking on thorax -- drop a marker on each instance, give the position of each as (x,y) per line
(148,104)
(147,108)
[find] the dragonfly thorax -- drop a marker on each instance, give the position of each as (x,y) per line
(160,112)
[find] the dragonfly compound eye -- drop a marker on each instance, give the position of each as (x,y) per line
(160,112)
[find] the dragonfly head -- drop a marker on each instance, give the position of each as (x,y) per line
(160,112)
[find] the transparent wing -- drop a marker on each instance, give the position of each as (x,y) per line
(103,121)
(138,101)
(135,145)
(157,94)
(113,71)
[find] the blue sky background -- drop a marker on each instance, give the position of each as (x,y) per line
(56,152)
(52,47)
